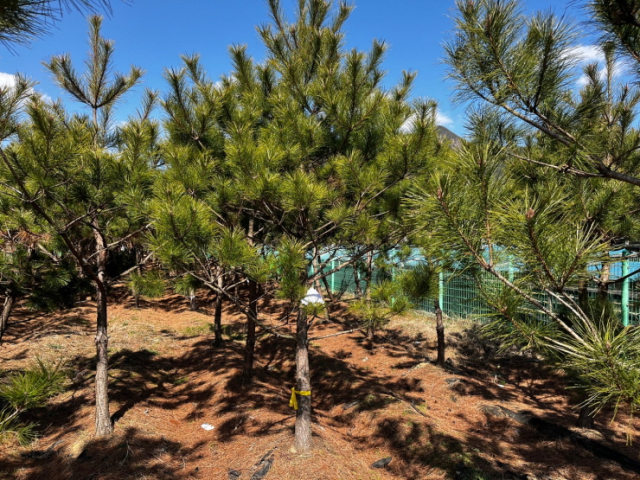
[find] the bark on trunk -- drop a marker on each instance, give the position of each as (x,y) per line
(103,418)
(287,313)
(136,299)
(6,312)
(217,317)
(247,369)
(440,334)
(585,420)
(303,441)
(369,276)
(603,286)
(356,276)
(327,289)
(370,332)
(583,295)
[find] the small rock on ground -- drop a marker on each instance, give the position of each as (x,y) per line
(383,462)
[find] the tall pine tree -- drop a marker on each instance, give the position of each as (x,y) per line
(85,181)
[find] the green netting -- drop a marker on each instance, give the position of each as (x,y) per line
(462,297)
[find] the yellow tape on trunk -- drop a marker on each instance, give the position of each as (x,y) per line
(293,402)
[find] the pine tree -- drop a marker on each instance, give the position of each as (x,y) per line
(325,170)
(32,269)
(481,220)
(569,162)
(200,228)
(286,167)
(525,68)
(23,20)
(85,182)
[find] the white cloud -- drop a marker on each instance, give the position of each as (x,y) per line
(618,69)
(407,126)
(441,119)
(584,54)
(587,53)
(583,80)
(7,80)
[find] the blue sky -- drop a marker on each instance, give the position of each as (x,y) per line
(152,34)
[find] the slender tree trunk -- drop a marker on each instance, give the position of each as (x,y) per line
(303,440)
(368,276)
(287,312)
(356,275)
(316,283)
(234,280)
(103,418)
(136,295)
(217,319)
(440,334)
(325,282)
(585,419)
(370,332)
(583,295)
(250,346)
(603,286)
(6,312)
(331,297)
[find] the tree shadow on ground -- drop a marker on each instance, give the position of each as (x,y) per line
(130,454)
(201,381)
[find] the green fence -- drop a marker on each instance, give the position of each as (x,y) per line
(460,295)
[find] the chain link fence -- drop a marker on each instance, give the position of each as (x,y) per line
(460,294)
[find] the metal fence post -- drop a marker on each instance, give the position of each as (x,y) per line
(393,276)
(441,290)
(624,302)
(511,271)
(333,277)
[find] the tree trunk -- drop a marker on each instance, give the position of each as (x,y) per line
(103,418)
(303,441)
(583,295)
(585,419)
(370,332)
(136,299)
(288,310)
(217,316)
(368,279)
(327,288)
(603,285)
(250,346)
(440,333)
(6,312)
(356,276)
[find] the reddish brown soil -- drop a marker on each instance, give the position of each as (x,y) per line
(167,380)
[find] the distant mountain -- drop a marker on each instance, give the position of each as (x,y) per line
(445,133)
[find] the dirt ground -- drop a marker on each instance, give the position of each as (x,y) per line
(370,401)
